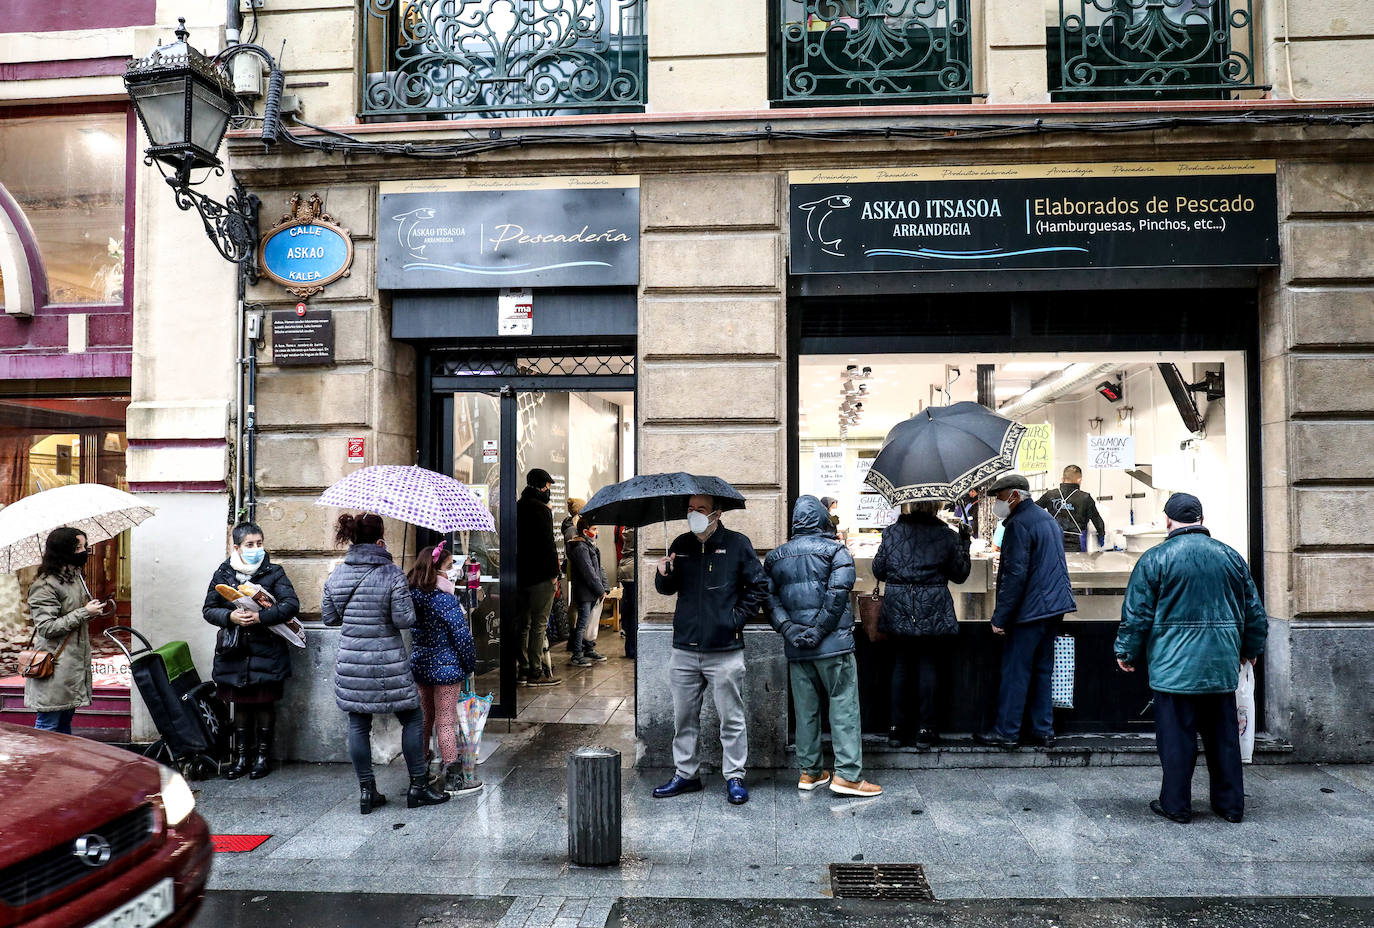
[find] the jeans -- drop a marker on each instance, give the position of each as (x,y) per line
(59,721)
(1179,719)
(588,617)
(412,742)
(913,681)
(835,679)
(689,674)
(535,603)
(1027,669)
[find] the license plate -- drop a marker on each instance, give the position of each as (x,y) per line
(148,908)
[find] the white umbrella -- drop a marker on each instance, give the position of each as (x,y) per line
(98,511)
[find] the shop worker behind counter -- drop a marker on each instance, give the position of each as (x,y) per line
(1033,594)
(1192,612)
(536,566)
(720,585)
(1074,509)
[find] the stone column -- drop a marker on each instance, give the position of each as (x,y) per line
(1317,404)
(1015,70)
(712,400)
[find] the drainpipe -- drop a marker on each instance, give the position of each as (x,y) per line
(231,22)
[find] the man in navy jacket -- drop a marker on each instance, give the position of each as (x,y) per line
(1033,594)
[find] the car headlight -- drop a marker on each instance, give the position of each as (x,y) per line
(177,800)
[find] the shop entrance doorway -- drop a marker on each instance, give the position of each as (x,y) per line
(494,418)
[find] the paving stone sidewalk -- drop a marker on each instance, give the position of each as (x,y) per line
(989,833)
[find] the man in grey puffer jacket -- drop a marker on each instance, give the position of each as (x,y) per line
(809,581)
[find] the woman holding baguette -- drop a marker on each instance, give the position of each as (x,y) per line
(251,661)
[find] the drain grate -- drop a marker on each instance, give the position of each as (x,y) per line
(880,881)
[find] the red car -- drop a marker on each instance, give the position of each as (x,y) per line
(92,836)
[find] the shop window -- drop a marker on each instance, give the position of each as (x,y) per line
(428,60)
(842,52)
(1151,49)
(67,174)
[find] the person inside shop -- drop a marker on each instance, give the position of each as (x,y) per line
(368,600)
(919,558)
(832,510)
(252,662)
(62,609)
(589,589)
(1074,508)
(1192,611)
(536,569)
(967,508)
(708,641)
(629,605)
(1033,596)
(809,582)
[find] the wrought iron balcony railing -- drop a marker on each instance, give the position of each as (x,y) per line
(443,58)
(871,52)
(1152,49)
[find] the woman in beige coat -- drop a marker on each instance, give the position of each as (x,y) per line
(61,609)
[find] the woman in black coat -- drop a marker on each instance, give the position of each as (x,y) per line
(251,675)
(918,559)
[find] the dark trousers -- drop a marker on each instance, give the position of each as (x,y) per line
(1179,719)
(913,683)
(1027,667)
(412,741)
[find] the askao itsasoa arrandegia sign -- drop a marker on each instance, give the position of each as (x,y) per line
(519,232)
(990,216)
(306,250)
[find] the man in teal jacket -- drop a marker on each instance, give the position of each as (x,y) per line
(1193,613)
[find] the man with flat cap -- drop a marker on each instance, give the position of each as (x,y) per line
(1033,595)
(1193,613)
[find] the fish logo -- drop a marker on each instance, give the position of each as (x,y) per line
(817,212)
(407,223)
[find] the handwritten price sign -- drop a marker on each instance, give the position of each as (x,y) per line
(1036,450)
(1111,452)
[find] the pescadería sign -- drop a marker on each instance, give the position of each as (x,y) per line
(509,232)
(976,217)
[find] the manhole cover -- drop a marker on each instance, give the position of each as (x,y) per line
(880,881)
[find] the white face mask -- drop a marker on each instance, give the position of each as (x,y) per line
(1001,508)
(698,522)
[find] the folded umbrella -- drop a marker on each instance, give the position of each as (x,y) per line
(656,497)
(472,718)
(413,495)
(98,511)
(943,452)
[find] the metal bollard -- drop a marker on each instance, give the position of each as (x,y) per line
(594,807)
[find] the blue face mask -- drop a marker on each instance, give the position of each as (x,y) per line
(252,556)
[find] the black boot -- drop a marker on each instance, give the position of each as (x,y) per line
(262,764)
(369,798)
(423,793)
(243,733)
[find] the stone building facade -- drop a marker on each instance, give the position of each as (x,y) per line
(712,342)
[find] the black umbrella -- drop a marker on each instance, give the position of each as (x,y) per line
(656,497)
(943,452)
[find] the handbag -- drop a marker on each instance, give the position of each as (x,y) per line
(870,607)
(231,641)
(38,663)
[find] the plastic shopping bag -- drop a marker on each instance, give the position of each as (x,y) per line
(1245,711)
(1061,683)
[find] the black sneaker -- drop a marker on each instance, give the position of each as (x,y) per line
(581,660)
(547,679)
(592,655)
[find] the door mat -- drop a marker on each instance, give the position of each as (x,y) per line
(237,844)
(880,881)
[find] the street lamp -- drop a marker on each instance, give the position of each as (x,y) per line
(185,101)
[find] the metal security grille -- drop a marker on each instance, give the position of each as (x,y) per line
(440,57)
(612,361)
(46,873)
(1162,49)
(880,881)
(872,52)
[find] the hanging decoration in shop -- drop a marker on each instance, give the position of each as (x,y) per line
(976,217)
(509,232)
(306,250)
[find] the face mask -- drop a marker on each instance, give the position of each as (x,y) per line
(79,558)
(444,584)
(544,495)
(1001,508)
(698,522)
(252,556)
(454,572)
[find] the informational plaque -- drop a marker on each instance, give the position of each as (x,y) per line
(303,339)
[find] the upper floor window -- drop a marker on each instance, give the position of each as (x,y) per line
(67,173)
(1151,49)
(829,52)
(445,58)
